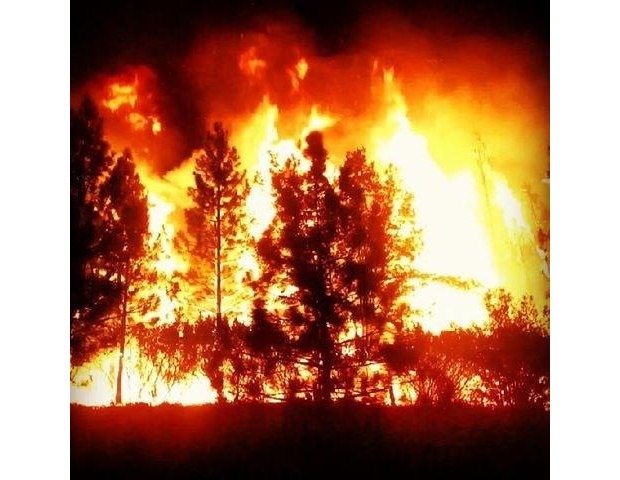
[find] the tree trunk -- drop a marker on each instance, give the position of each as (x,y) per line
(218,272)
(218,290)
(325,369)
(391,390)
(122,334)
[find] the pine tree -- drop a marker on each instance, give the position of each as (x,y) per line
(379,244)
(513,352)
(123,203)
(92,290)
(335,244)
(217,232)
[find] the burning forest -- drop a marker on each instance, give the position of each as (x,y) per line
(260,218)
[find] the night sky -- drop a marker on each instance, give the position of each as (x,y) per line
(114,33)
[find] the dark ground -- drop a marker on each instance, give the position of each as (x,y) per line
(307,441)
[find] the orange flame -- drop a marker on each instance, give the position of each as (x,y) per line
(453,209)
(121,94)
(250,64)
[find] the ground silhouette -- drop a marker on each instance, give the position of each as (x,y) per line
(301,440)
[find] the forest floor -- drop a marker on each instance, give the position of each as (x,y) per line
(307,441)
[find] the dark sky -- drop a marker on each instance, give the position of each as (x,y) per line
(113,33)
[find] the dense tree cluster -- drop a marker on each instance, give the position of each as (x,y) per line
(329,312)
(109,224)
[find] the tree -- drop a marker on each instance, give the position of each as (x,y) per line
(217,232)
(513,352)
(123,203)
(379,244)
(441,369)
(92,292)
(330,252)
(505,363)
(301,246)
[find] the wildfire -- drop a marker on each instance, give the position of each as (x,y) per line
(167,262)
(127,100)
(459,256)
(271,148)
(162,231)
(94,382)
(448,212)
(510,207)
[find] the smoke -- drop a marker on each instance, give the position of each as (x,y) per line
(458,86)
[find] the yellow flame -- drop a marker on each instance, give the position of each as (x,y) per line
(120,94)
(298,73)
(449,212)
(259,138)
(509,206)
(302,68)
(94,383)
(155,126)
(137,121)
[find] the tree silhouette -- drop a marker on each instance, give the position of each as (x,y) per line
(505,363)
(301,244)
(331,249)
(123,203)
(441,369)
(217,231)
(92,290)
(513,354)
(379,243)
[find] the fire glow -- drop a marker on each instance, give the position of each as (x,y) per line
(473,217)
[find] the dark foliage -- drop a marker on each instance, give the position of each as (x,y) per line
(504,364)
(109,219)
(336,249)
(92,292)
(123,204)
(513,357)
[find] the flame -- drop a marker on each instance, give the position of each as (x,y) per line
(302,68)
(167,261)
(259,138)
(160,229)
(510,207)
(250,64)
(448,212)
(463,245)
(128,99)
(137,120)
(298,73)
(155,126)
(120,94)
(317,122)
(94,383)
